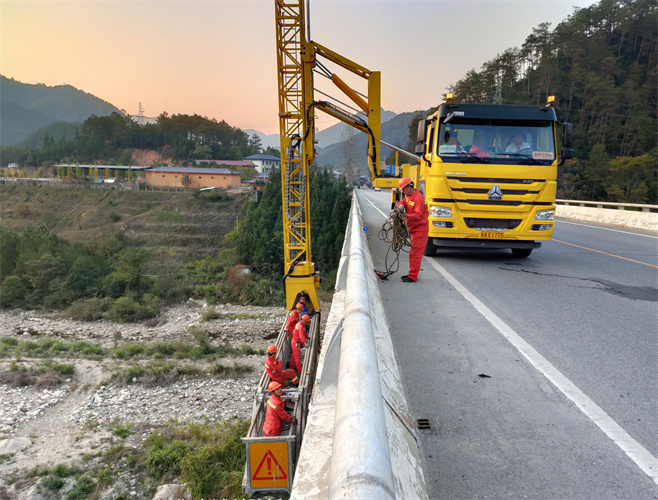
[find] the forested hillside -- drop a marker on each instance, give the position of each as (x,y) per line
(109,139)
(27,107)
(601,65)
(119,254)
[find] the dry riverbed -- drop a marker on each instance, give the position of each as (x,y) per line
(82,398)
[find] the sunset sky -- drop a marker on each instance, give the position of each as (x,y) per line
(217,58)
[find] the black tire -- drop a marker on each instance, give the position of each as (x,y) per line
(521,253)
(430,248)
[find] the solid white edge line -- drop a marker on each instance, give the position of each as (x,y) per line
(635,451)
(383,214)
(561,221)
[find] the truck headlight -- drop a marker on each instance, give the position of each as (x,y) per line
(545,215)
(440,212)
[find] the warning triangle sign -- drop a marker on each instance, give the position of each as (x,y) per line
(269,472)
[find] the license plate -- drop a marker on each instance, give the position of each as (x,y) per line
(492,235)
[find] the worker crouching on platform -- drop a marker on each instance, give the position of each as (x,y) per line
(293,319)
(276,415)
(299,339)
(275,369)
(416,213)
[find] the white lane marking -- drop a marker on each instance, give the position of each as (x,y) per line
(608,229)
(373,205)
(635,451)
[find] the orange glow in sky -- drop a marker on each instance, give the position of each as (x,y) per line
(218,58)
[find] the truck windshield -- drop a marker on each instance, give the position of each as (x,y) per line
(497,141)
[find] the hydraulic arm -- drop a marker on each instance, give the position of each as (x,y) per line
(298,58)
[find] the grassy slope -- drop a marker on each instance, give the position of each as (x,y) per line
(80,215)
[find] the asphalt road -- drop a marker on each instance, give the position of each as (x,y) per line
(539,375)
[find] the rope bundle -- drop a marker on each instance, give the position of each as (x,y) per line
(394,231)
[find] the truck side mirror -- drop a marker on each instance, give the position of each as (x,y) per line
(421,137)
(567,132)
(567,143)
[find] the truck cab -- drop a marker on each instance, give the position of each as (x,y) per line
(488,174)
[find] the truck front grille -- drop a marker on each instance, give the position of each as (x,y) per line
(492,224)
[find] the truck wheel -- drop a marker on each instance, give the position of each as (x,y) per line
(521,253)
(430,248)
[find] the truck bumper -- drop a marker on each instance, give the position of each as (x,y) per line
(482,243)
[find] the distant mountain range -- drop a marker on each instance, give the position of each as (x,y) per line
(326,138)
(394,131)
(26,108)
(30,111)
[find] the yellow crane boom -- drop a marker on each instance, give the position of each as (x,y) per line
(297,59)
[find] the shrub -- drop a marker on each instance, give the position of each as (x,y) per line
(210,314)
(59,368)
(122,430)
(87,348)
(82,488)
(237,370)
(127,309)
(43,376)
(124,309)
(89,309)
(12,292)
(201,338)
(52,483)
(165,460)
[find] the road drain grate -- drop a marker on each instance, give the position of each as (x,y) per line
(425,426)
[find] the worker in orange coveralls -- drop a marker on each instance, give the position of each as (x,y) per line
(275,369)
(414,207)
(276,415)
(299,339)
(293,318)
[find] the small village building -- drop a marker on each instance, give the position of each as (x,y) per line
(258,179)
(246,164)
(264,163)
(177,177)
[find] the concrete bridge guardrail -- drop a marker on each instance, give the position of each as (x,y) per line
(360,440)
(647,219)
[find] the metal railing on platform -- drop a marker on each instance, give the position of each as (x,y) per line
(271,461)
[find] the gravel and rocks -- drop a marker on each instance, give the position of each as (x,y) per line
(236,325)
(184,401)
(55,423)
(22,404)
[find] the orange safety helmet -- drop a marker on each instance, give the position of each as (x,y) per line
(272,348)
(405,181)
(300,306)
(306,318)
(273,386)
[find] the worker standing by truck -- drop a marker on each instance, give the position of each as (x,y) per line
(416,213)
(275,369)
(299,339)
(276,414)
